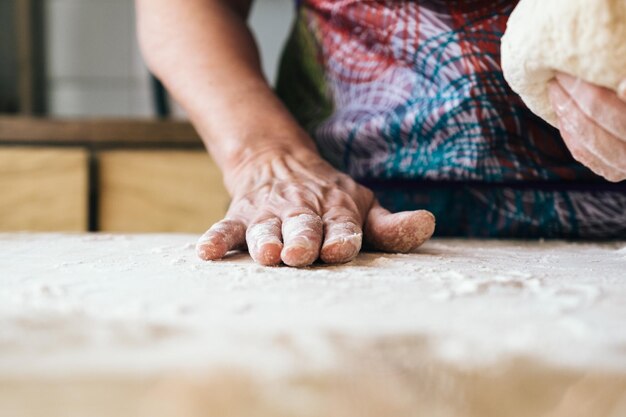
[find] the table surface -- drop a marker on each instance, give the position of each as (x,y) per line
(137,307)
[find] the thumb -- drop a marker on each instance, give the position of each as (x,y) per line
(397,232)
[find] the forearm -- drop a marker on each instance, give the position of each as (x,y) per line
(204,53)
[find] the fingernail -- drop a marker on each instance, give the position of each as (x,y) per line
(209,252)
(427,214)
(264,246)
(267,255)
(298,255)
(351,238)
(334,253)
(621,90)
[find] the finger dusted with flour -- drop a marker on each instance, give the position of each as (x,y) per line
(264,240)
(302,235)
(398,232)
(343,235)
(222,237)
(298,210)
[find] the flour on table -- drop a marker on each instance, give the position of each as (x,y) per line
(146,303)
(114,323)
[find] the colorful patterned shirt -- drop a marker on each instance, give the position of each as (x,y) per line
(408,97)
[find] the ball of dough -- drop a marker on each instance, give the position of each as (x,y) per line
(585,38)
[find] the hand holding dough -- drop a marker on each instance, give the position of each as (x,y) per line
(584,38)
(543,43)
(592,121)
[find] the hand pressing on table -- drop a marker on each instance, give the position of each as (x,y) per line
(592,121)
(295,208)
(288,204)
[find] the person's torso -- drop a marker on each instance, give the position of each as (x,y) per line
(414,90)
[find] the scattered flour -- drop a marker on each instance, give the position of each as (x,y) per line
(146,304)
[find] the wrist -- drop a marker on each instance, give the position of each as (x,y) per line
(238,153)
(238,130)
(245,163)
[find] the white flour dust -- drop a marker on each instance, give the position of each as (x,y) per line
(263,233)
(144,303)
(301,229)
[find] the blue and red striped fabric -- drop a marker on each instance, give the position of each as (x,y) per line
(409,98)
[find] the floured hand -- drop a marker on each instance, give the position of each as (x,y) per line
(592,121)
(296,209)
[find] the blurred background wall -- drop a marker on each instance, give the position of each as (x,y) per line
(96,157)
(92,62)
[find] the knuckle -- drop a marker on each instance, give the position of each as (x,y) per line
(294,191)
(290,213)
(366,192)
(343,230)
(340,200)
(239,208)
(341,215)
(304,227)
(264,221)
(227,223)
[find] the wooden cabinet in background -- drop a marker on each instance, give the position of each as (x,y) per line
(106,175)
(43,189)
(157,190)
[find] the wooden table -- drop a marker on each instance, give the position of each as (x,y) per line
(136,325)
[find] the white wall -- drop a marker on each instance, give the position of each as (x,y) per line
(271,22)
(93,63)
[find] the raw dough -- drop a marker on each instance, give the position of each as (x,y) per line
(585,38)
